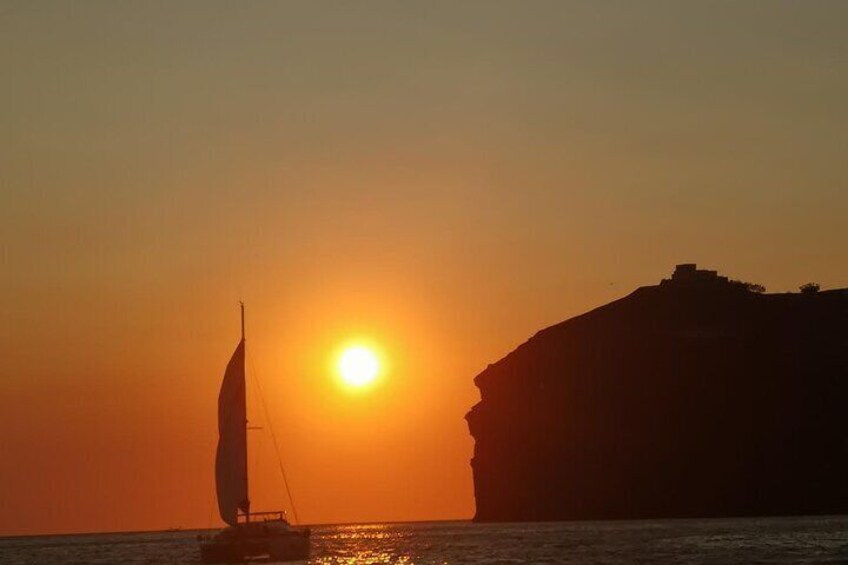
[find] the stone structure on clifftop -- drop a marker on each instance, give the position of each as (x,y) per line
(700,396)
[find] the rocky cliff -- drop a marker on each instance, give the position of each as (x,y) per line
(696,397)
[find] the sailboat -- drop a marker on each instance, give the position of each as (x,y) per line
(248,534)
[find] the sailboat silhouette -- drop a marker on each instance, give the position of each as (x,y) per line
(248,534)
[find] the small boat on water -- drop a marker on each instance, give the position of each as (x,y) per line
(249,535)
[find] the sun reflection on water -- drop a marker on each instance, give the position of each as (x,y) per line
(368,544)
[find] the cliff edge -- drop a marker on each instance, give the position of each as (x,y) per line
(698,397)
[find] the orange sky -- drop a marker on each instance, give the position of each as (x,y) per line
(441,179)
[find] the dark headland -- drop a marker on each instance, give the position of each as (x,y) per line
(698,397)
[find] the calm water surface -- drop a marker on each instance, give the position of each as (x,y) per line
(726,541)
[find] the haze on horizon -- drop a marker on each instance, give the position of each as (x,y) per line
(442,179)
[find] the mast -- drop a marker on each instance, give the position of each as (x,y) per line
(241,304)
(246,487)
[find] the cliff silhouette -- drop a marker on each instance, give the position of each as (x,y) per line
(698,397)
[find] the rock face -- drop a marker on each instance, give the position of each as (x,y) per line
(696,397)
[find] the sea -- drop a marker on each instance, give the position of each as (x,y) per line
(818,540)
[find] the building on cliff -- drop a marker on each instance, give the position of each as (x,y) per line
(690,274)
(696,397)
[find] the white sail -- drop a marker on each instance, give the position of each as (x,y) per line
(231,457)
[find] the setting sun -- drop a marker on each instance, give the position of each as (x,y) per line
(358,366)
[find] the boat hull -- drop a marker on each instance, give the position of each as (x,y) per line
(243,542)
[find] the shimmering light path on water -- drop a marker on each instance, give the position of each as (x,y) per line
(727,541)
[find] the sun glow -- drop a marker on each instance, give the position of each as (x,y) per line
(358,366)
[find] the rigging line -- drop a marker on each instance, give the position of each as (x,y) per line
(273,438)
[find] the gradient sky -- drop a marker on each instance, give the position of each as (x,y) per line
(441,178)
